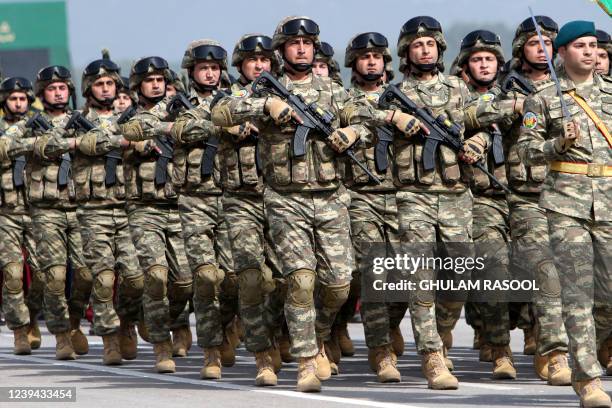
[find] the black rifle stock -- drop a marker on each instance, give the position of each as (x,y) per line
(38,122)
(313,117)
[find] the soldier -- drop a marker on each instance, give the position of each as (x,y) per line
(478,64)
(306,206)
(572,136)
(174,86)
(53,212)
(153,214)
(16,96)
(125,98)
(100,193)
(528,225)
(373,209)
(196,173)
(604,53)
(325,65)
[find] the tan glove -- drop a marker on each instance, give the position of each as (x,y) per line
(571,133)
(343,138)
(241,132)
(146,147)
(279,110)
(406,123)
(132,130)
(474,149)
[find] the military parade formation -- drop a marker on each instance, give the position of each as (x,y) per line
(253,202)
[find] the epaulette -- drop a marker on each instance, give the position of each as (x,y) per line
(540,85)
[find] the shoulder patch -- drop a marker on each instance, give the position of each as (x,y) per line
(240,93)
(372,96)
(487,97)
(530,120)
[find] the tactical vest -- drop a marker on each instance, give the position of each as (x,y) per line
(444,97)
(12,197)
(90,172)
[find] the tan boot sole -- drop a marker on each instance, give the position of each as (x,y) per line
(210,374)
(310,385)
(266,379)
(165,368)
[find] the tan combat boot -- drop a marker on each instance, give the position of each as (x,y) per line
(604,355)
(228,351)
(181,341)
(386,365)
(128,341)
(435,371)
(163,357)
(63,347)
(22,345)
(540,363)
(323,366)
(34,336)
(397,341)
(212,364)
(275,355)
(529,346)
(284,344)
(559,372)
(78,339)
(307,378)
(592,394)
(112,350)
(344,341)
(265,371)
(485,354)
(503,366)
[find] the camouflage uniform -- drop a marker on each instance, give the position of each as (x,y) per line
(16,227)
(578,210)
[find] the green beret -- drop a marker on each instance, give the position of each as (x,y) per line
(572,30)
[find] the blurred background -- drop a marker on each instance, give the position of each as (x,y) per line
(34,34)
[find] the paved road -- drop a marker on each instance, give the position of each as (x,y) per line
(135,384)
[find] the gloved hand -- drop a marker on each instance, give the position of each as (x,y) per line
(241,132)
(571,133)
(146,147)
(278,110)
(342,138)
(474,149)
(132,130)
(406,123)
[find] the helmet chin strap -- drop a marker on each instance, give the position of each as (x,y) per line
(11,116)
(370,77)
(479,82)
(154,100)
(301,67)
(55,106)
(103,103)
(538,66)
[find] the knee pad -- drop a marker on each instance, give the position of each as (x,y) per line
(155,282)
(181,291)
(103,286)
(13,277)
(250,287)
(334,296)
(300,289)
(549,279)
(83,280)
(56,280)
(132,286)
(422,297)
(207,282)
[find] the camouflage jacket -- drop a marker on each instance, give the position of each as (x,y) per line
(192,131)
(361,106)
(13,198)
(318,169)
(575,195)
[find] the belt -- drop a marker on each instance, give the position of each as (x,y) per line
(589,169)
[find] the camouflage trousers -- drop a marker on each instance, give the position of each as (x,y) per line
(311,232)
(108,247)
(58,241)
(207,243)
(16,230)
(251,250)
(373,221)
(582,255)
(491,239)
(158,238)
(424,219)
(531,251)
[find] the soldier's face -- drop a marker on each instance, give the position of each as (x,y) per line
(207,73)
(423,50)
(122,102)
(370,63)
(299,50)
(252,66)
(104,88)
(153,86)
(17,102)
(170,90)
(602,66)
(483,65)
(56,93)
(534,52)
(580,55)
(320,68)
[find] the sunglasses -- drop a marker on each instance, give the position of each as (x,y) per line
(250,44)
(293,27)
(48,73)
(484,36)
(363,41)
(205,51)
(14,83)
(543,21)
(412,26)
(94,67)
(142,66)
